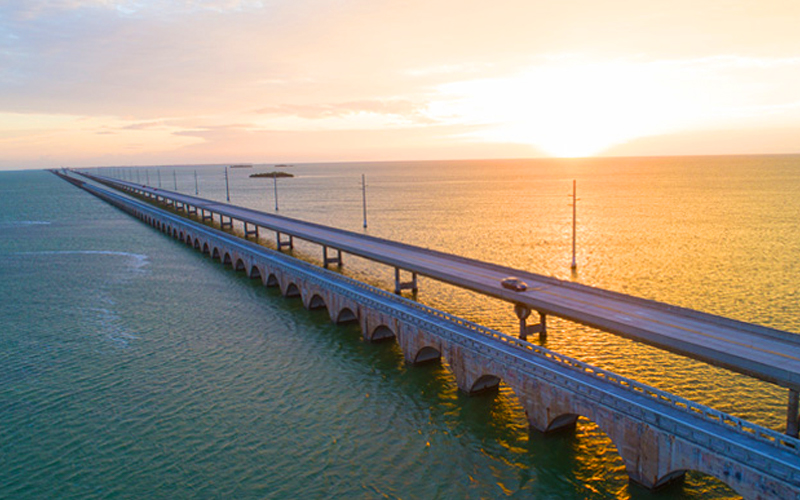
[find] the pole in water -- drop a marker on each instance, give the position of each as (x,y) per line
(227,188)
(147,177)
(175,180)
(196,188)
(574,209)
(159,178)
(275,183)
(137,177)
(364,198)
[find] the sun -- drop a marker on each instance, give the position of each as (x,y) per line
(566,110)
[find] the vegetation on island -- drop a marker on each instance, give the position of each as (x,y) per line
(272,174)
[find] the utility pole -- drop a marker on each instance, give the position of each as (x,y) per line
(364,198)
(574,210)
(227,188)
(275,183)
(158,171)
(175,180)
(196,188)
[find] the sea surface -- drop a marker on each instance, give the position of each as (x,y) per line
(134,367)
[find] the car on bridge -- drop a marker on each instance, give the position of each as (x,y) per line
(515,284)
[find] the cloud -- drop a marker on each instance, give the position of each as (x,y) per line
(409,111)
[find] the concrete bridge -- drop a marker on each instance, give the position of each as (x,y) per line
(757,351)
(658,435)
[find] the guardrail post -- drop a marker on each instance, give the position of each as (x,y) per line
(792,419)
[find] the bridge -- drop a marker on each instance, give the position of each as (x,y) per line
(658,435)
(764,353)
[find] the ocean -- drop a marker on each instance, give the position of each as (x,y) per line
(134,367)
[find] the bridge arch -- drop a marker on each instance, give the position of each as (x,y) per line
(180,235)
(206,249)
(255,272)
(381,333)
(226,259)
(317,302)
(346,315)
(272,280)
(197,244)
(189,241)
(428,354)
(292,290)
(562,421)
(239,265)
(484,383)
(215,254)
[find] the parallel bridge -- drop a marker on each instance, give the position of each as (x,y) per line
(658,435)
(757,351)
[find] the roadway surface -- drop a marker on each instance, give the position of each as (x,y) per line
(761,352)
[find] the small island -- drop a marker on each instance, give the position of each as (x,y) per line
(272,174)
(242,165)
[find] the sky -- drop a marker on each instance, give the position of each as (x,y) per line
(148,82)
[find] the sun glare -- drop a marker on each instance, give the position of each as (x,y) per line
(569,110)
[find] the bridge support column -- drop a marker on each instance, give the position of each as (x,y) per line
(285,243)
(223,223)
(250,232)
(180,207)
(522,313)
(191,210)
(792,419)
(331,260)
(204,216)
(399,286)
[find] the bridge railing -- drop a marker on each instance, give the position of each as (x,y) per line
(753,430)
(315,273)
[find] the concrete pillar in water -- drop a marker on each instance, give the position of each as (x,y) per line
(792,419)
(523,312)
(331,260)
(399,286)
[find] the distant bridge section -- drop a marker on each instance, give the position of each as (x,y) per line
(764,353)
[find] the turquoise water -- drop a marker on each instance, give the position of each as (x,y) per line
(134,367)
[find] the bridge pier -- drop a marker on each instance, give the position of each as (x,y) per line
(285,243)
(191,210)
(399,286)
(205,217)
(792,418)
(331,260)
(522,313)
(223,223)
(250,232)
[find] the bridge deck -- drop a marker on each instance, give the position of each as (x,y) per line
(765,353)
